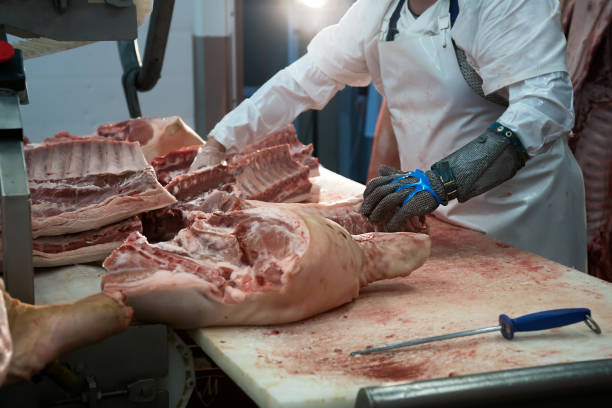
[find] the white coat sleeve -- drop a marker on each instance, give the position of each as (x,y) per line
(540,110)
(335,58)
(508,41)
(279,101)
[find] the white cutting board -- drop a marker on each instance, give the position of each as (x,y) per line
(469,280)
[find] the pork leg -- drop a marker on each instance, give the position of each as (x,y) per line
(40,334)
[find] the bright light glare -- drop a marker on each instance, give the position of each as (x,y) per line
(313,3)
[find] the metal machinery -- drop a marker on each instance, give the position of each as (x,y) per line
(147,365)
(568,384)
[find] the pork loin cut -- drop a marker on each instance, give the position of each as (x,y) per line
(89,183)
(269,175)
(264,265)
(157,136)
(299,152)
(182,161)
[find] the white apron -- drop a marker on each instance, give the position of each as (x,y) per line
(434,112)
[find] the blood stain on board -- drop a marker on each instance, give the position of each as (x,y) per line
(390,370)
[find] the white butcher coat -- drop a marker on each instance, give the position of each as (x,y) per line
(518,49)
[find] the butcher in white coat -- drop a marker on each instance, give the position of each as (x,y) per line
(481,107)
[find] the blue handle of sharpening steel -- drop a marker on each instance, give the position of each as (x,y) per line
(541,320)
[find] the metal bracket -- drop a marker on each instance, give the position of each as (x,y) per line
(14,189)
(139,76)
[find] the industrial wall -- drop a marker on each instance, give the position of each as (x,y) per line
(79,89)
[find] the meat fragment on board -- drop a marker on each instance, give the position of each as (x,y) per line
(262,265)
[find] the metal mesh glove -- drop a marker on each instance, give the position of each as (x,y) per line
(386,199)
(480,165)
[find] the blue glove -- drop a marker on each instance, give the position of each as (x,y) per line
(396,196)
(477,167)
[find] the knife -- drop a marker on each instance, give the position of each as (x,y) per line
(507,326)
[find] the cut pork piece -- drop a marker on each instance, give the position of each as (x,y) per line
(81,247)
(268,175)
(299,152)
(40,334)
(157,136)
(182,161)
(264,265)
(174,163)
(163,225)
(86,184)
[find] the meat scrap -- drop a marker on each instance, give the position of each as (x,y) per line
(87,184)
(33,336)
(263,265)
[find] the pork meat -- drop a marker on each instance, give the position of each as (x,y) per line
(90,183)
(40,334)
(264,265)
(156,136)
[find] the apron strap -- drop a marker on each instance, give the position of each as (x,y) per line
(392,31)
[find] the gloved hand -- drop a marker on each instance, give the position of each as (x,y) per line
(391,196)
(477,167)
(211,154)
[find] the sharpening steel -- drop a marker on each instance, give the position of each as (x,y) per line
(531,322)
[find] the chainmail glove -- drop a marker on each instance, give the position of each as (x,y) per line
(389,198)
(477,167)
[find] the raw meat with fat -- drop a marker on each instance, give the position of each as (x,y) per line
(162,225)
(86,184)
(40,334)
(157,136)
(263,265)
(299,152)
(182,161)
(174,163)
(589,56)
(82,247)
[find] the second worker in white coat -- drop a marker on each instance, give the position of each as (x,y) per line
(480,101)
